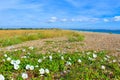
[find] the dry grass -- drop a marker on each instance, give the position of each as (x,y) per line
(47,33)
(10,37)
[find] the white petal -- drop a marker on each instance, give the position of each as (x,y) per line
(24,75)
(42,71)
(2,77)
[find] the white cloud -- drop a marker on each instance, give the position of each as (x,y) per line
(93,19)
(78,19)
(64,20)
(87,19)
(73,20)
(52,19)
(117,18)
(106,20)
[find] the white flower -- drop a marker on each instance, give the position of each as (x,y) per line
(47,71)
(107,56)
(17,61)
(50,57)
(114,60)
(79,61)
(102,67)
(13,62)
(94,55)
(42,71)
(24,75)
(62,57)
(68,63)
(31,47)
(39,60)
(27,67)
(2,77)
(88,53)
(8,59)
(16,67)
(5,55)
(31,67)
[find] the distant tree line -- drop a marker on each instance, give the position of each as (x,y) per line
(30,29)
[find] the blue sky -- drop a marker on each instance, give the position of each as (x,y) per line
(85,14)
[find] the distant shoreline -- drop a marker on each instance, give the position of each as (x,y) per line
(107,31)
(98,31)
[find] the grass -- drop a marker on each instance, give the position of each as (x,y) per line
(11,37)
(76,37)
(89,65)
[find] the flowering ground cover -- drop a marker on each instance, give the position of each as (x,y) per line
(28,64)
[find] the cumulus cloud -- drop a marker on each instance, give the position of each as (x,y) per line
(80,19)
(117,18)
(52,19)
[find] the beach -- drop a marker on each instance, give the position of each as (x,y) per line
(92,41)
(102,41)
(61,56)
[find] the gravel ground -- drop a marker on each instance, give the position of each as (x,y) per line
(102,41)
(93,41)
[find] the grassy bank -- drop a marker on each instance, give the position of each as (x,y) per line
(10,37)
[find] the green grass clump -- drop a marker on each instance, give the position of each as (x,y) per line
(10,41)
(87,65)
(75,38)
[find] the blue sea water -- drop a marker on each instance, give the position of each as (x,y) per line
(99,30)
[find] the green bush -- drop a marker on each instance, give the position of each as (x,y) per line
(76,38)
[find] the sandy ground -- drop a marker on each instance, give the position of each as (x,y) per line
(93,41)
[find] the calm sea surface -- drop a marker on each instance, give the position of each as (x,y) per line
(100,30)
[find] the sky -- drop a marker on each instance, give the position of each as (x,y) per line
(67,14)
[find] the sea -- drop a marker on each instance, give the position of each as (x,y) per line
(99,30)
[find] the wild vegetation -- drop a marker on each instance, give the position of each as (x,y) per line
(10,37)
(49,63)
(27,63)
